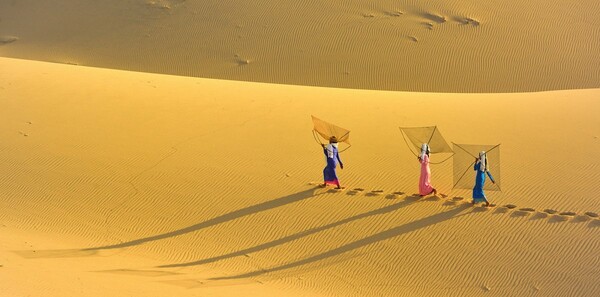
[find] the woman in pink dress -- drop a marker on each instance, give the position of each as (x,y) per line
(425,187)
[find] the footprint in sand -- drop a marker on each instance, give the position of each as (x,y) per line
(394,195)
(428,25)
(550,211)
(413,39)
(335,190)
(374,193)
(242,62)
(395,13)
(480,209)
(501,210)
(468,21)
(581,219)
(164,4)
(591,214)
(483,207)
(440,19)
(519,213)
(527,209)
(539,216)
(358,189)
(558,219)
(458,198)
(510,206)
(568,214)
(8,39)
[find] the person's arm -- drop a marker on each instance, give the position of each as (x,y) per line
(491,177)
(337,155)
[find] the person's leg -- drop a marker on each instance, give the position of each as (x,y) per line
(487,203)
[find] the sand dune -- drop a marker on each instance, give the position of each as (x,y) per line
(433,46)
(134,184)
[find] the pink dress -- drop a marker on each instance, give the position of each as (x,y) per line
(425,187)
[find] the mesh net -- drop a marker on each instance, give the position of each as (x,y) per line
(326,130)
(464,160)
(430,135)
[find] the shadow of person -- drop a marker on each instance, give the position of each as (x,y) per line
(385,235)
(264,206)
(299,235)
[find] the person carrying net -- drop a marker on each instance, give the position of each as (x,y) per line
(481,168)
(333,158)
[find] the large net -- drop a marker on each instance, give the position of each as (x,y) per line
(326,130)
(430,135)
(464,161)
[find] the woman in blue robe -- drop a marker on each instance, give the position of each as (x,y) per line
(481,166)
(333,158)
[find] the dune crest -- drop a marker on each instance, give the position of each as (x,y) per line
(426,46)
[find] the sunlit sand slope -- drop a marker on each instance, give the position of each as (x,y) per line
(131,184)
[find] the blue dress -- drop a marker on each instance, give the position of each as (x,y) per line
(478,194)
(333,157)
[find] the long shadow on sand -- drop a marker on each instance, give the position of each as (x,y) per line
(390,233)
(215,221)
(274,243)
(211,222)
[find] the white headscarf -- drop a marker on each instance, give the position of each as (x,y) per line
(482,161)
(424,150)
(330,150)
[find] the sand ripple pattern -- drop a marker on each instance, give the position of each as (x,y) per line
(431,46)
(217,183)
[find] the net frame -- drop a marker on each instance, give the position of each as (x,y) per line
(326,130)
(430,135)
(464,159)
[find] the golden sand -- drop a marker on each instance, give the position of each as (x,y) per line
(408,45)
(119,183)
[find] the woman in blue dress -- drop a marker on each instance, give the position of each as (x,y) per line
(333,158)
(481,166)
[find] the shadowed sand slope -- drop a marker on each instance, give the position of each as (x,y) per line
(434,46)
(133,184)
